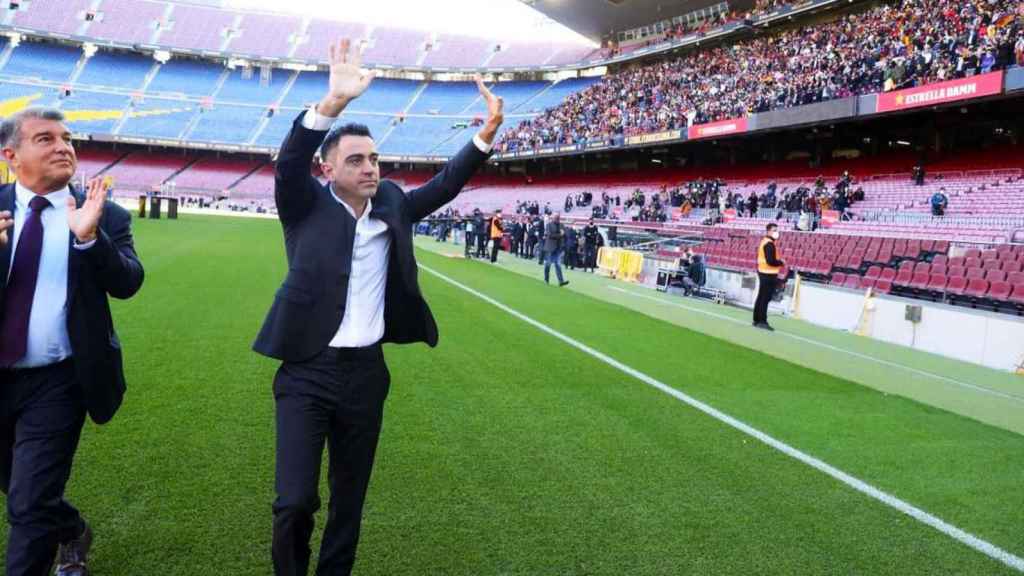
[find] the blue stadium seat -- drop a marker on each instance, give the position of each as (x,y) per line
(556,94)
(420,136)
(445,98)
(226,123)
(159,118)
(97,112)
(125,71)
(237,89)
(44,61)
(186,77)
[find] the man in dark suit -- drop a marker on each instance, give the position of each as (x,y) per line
(61,255)
(554,245)
(351,285)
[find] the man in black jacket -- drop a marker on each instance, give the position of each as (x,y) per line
(62,254)
(590,235)
(351,285)
(769,265)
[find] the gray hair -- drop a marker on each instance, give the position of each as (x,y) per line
(10,128)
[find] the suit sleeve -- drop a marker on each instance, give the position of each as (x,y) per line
(446,185)
(113,254)
(295,188)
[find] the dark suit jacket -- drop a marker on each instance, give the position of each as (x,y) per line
(319,234)
(108,267)
(554,236)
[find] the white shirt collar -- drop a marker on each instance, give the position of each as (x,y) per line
(57,198)
(366,212)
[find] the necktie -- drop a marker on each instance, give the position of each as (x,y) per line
(21,286)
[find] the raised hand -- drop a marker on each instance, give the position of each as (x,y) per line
(495,104)
(347,80)
(495,111)
(84,221)
(6,221)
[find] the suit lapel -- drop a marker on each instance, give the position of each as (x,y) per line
(74,258)
(384,211)
(6,203)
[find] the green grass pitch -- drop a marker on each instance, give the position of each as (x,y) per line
(507,452)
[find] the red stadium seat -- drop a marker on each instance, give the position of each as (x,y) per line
(1011,266)
(937,283)
(991,264)
(852,282)
(873,272)
(885,286)
(938,269)
(903,278)
(973,253)
(941,246)
(1017,296)
(921,267)
(995,276)
(973,273)
(956,285)
(958,261)
(888,274)
(940,259)
(977,288)
(956,271)
(999,291)
(907,265)
(838,279)
(973,262)
(919,281)
(1015,278)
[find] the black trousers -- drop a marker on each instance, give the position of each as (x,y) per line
(765,292)
(41,417)
(530,246)
(495,246)
(590,257)
(481,245)
(337,396)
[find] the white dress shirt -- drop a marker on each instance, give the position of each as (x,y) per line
(363,323)
(48,341)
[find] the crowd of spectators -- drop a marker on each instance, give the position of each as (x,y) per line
(889,47)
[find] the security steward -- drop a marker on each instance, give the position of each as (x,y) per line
(768,267)
(497,232)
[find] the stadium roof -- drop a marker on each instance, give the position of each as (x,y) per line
(597,18)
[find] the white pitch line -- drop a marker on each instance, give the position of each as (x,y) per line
(884,362)
(966,538)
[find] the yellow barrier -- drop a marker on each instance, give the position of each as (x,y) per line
(619,263)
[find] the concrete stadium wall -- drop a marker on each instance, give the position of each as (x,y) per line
(976,336)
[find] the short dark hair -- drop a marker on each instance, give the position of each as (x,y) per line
(338,132)
(771,226)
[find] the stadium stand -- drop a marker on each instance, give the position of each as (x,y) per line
(847,57)
(127,21)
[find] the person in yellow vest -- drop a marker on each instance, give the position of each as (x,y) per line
(768,267)
(497,232)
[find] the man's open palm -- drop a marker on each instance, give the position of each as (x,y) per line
(347,80)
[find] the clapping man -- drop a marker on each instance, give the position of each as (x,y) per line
(62,253)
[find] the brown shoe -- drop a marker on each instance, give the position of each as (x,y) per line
(72,556)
